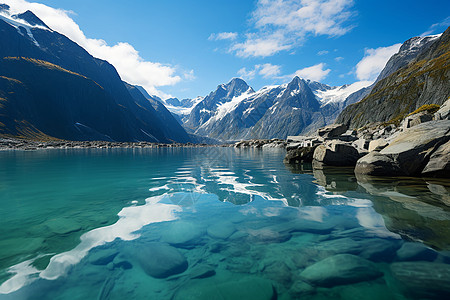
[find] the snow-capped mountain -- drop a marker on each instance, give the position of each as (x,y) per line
(51,87)
(181,107)
(235,111)
(208,107)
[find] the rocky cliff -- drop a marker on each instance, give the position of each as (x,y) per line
(424,80)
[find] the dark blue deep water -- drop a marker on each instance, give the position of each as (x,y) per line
(215,223)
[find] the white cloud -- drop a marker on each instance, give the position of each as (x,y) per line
(443,24)
(223,36)
(315,73)
(246,74)
(125,58)
(323,52)
(261,47)
(269,70)
(374,61)
(338,59)
(265,70)
(189,75)
(280,25)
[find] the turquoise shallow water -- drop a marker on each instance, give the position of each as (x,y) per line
(215,223)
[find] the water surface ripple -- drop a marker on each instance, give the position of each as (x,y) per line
(202,223)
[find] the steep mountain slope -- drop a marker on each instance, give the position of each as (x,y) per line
(425,80)
(407,52)
(175,131)
(60,106)
(39,47)
(272,112)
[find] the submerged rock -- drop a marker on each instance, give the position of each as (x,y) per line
(340,269)
(221,230)
(249,288)
(278,271)
(161,260)
(62,225)
(301,288)
(415,252)
(182,234)
(339,246)
(423,279)
(102,257)
(379,249)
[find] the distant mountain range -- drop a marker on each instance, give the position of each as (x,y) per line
(50,87)
(234,111)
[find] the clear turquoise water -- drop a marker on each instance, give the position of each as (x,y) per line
(215,223)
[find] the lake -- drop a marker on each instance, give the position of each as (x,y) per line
(215,223)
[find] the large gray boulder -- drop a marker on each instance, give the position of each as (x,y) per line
(161,260)
(410,151)
(377,164)
(378,145)
(416,119)
(340,269)
(439,164)
(303,154)
(336,153)
(332,131)
(444,112)
(413,147)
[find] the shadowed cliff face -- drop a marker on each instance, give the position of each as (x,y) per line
(425,80)
(66,93)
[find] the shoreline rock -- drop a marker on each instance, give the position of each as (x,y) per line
(24,144)
(419,146)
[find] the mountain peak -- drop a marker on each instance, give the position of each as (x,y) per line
(4,7)
(235,88)
(31,19)
(416,43)
(297,83)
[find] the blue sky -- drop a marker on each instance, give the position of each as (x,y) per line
(186,48)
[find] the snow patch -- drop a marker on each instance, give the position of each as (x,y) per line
(228,107)
(19,23)
(184,111)
(340,93)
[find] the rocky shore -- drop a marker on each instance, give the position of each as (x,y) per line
(418,145)
(25,144)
